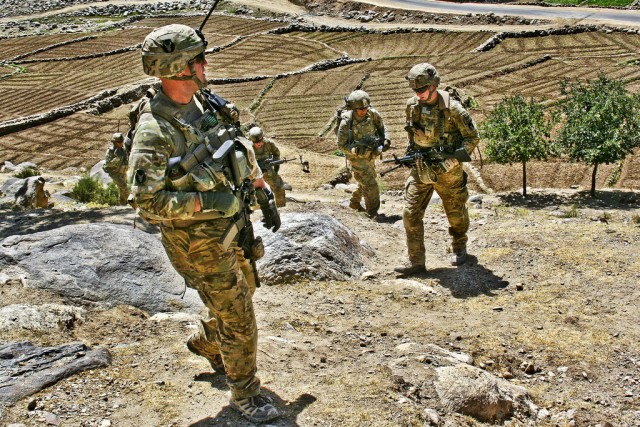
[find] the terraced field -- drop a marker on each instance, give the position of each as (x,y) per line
(275,87)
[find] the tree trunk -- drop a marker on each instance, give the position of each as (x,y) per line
(593,180)
(524,179)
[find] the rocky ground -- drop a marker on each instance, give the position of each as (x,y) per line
(547,301)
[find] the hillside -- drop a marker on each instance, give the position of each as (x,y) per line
(549,299)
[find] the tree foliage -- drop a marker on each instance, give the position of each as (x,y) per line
(601,122)
(518,130)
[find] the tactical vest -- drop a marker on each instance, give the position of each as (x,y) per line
(433,122)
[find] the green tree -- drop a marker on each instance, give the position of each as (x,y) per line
(518,130)
(600,122)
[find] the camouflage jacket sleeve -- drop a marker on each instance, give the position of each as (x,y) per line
(343,132)
(382,129)
(152,147)
(465,124)
(111,161)
(272,149)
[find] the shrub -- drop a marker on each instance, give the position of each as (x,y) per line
(27,172)
(90,189)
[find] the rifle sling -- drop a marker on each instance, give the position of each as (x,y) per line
(239,222)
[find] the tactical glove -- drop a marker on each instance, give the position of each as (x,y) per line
(270,215)
(226,203)
(386,145)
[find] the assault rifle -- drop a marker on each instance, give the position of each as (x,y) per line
(272,162)
(440,160)
(241,226)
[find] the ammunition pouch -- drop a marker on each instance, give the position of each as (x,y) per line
(257,249)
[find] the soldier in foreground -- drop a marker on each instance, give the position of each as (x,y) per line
(362,136)
(116,163)
(177,183)
(436,125)
(266,153)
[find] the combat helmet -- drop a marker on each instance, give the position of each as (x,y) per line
(423,75)
(255,134)
(357,99)
(168,49)
(117,138)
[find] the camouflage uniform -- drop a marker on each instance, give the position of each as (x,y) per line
(116,164)
(192,241)
(270,150)
(445,125)
(362,161)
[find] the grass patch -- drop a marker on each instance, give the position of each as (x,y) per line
(602,3)
(91,190)
(571,213)
(27,172)
(635,218)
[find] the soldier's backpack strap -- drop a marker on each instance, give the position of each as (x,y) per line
(444,111)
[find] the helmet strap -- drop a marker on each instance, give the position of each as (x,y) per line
(193,76)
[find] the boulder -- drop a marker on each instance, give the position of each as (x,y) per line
(471,391)
(310,246)
(99,173)
(26,193)
(100,264)
(40,318)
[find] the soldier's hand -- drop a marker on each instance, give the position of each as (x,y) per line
(386,145)
(270,214)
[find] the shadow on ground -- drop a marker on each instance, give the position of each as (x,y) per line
(466,281)
(289,412)
(19,222)
(624,200)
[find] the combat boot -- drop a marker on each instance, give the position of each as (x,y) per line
(356,206)
(195,344)
(257,409)
(410,269)
(459,257)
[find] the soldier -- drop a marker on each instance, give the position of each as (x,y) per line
(265,148)
(195,205)
(116,163)
(435,121)
(362,136)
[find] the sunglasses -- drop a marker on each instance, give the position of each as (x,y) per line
(421,89)
(200,58)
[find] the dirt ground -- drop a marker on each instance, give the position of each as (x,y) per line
(548,299)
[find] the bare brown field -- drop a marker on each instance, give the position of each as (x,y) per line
(217,24)
(268,55)
(74,141)
(16,46)
(298,109)
(411,44)
(101,43)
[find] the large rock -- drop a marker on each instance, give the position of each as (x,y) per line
(102,264)
(310,246)
(471,391)
(26,369)
(40,317)
(98,172)
(25,193)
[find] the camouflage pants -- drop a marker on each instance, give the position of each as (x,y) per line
(225,282)
(120,180)
(364,172)
(277,186)
(452,189)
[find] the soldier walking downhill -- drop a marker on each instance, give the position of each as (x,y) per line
(362,136)
(116,164)
(435,122)
(196,207)
(265,148)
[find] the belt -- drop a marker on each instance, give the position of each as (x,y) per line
(182,223)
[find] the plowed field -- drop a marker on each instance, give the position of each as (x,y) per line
(52,71)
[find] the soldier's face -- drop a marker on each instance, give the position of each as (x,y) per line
(361,112)
(258,144)
(428,94)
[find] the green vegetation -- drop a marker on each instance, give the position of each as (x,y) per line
(601,3)
(338,153)
(27,172)
(517,130)
(571,213)
(600,122)
(90,189)
(635,218)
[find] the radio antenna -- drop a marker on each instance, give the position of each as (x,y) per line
(215,3)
